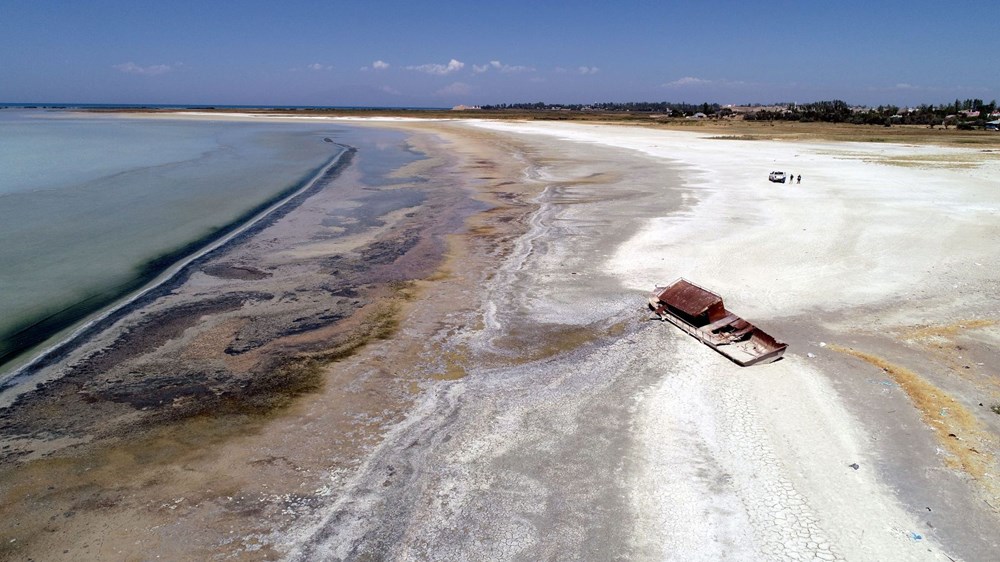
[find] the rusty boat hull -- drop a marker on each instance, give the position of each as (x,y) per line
(703,315)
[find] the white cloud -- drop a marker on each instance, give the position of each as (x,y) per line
(951,90)
(318,66)
(455,89)
(380,65)
(439,69)
(505,68)
(390,90)
(578,70)
(152,70)
(689,81)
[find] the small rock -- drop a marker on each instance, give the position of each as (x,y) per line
(810,355)
(855,466)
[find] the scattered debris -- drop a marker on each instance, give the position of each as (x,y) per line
(810,355)
(916,536)
(702,314)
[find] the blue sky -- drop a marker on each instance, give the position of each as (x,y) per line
(444,53)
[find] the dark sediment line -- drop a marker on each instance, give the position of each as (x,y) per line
(38,331)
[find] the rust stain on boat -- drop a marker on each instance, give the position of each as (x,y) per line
(702,314)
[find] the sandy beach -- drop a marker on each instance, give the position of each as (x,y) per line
(478,379)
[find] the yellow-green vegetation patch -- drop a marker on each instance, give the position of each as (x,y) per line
(936,161)
(948,330)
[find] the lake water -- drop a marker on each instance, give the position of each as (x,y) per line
(88,203)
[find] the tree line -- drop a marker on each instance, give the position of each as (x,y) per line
(960,113)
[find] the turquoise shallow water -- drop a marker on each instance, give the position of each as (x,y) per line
(86,203)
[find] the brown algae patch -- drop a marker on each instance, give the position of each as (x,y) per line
(957,430)
(548,341)
(64,492)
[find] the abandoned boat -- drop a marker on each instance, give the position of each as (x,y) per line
(702,314)
(776,177)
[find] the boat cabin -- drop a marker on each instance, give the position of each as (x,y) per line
(696,306)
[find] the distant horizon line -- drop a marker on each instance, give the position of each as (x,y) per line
(79,105)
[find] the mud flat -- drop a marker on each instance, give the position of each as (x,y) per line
(512,401)
(582,430)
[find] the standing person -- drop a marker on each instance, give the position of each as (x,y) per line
(798,179)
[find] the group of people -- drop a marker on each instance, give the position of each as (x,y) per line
(798,179)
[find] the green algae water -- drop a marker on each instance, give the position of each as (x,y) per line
(92,207)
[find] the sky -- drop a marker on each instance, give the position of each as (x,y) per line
(445,53)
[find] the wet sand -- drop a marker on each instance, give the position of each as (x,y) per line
(514,402)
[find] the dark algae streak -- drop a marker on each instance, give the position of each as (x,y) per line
(30,333)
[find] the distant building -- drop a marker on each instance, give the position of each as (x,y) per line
(465,107)
(993,125)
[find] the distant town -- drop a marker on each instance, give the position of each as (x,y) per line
(962,114)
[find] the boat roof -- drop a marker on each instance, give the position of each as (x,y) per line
(688,297)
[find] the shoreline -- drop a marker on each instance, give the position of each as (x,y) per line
(116,441)
(159,275)
(523,407)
